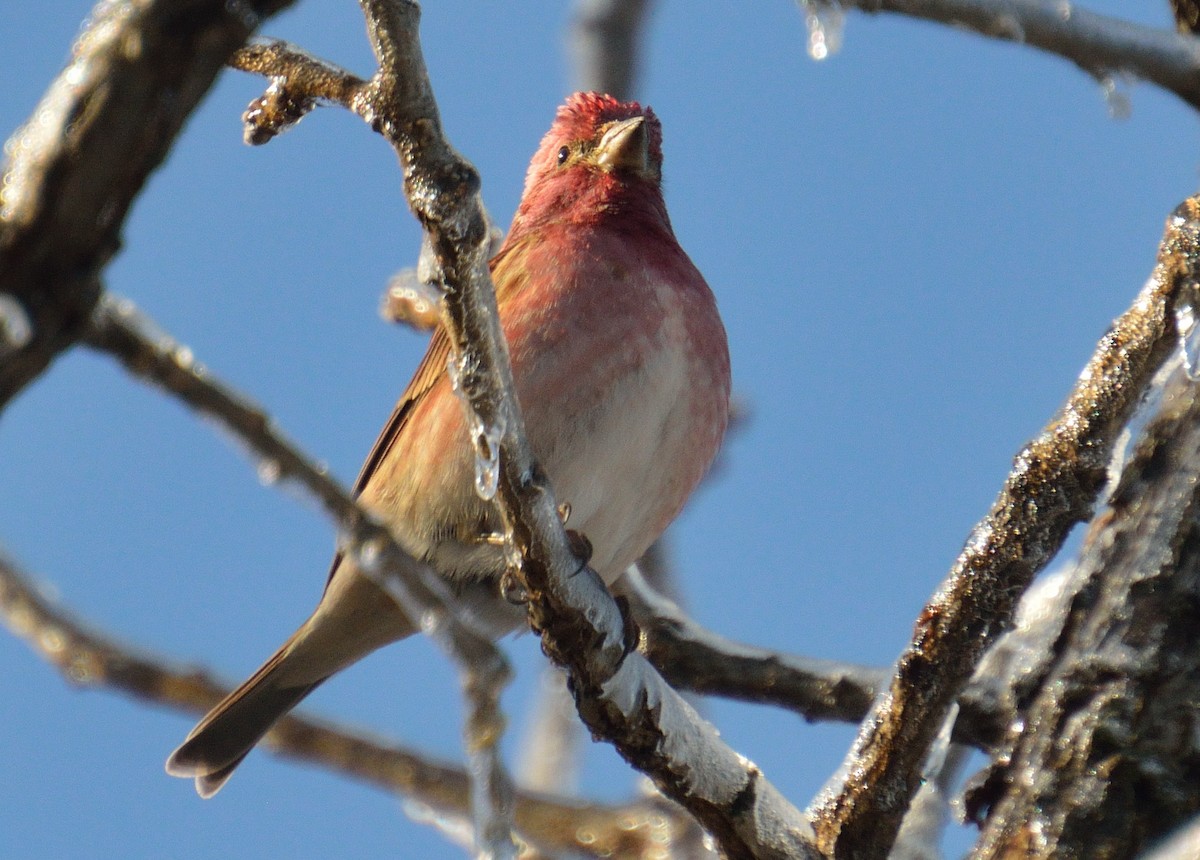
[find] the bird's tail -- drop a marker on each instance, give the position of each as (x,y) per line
(226,735)
(353,619)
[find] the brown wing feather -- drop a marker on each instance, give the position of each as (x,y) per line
(433,365)
(431,368)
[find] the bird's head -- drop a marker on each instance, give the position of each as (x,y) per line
(599,150)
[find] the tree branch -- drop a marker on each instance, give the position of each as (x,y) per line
(693,658)
(1099,45)
(1053,486)
(603,41)
(1187,15)
(75,168)
(1112,760)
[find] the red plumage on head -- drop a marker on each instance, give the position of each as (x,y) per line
(580,118)
(584,113)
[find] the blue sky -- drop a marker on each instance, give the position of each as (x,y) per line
(915,246)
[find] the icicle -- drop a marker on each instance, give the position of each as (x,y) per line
(826,21)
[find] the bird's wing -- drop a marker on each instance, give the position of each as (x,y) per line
(508,280)
(509,277)
(431,368)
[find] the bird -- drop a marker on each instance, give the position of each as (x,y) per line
(621,368)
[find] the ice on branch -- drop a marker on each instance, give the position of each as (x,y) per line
(16,330)
(826,21)
(1186,319)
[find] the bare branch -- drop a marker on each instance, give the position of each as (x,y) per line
(102,128)
(696,659)
(299,82)
(1099,45)
(1053,485)
(1110,761)
(692,658)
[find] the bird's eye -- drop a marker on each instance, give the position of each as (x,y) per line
(564,154)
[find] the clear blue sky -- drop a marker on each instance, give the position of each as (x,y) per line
(915,246)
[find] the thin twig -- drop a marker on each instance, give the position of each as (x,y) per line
(1053,486)
(1099,45)
(697,660)
(693,658)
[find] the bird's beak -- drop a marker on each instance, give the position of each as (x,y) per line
(625,146)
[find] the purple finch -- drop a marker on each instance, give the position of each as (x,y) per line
(622,373)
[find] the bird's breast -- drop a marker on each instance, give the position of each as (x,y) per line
(625,406)
(622,374)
